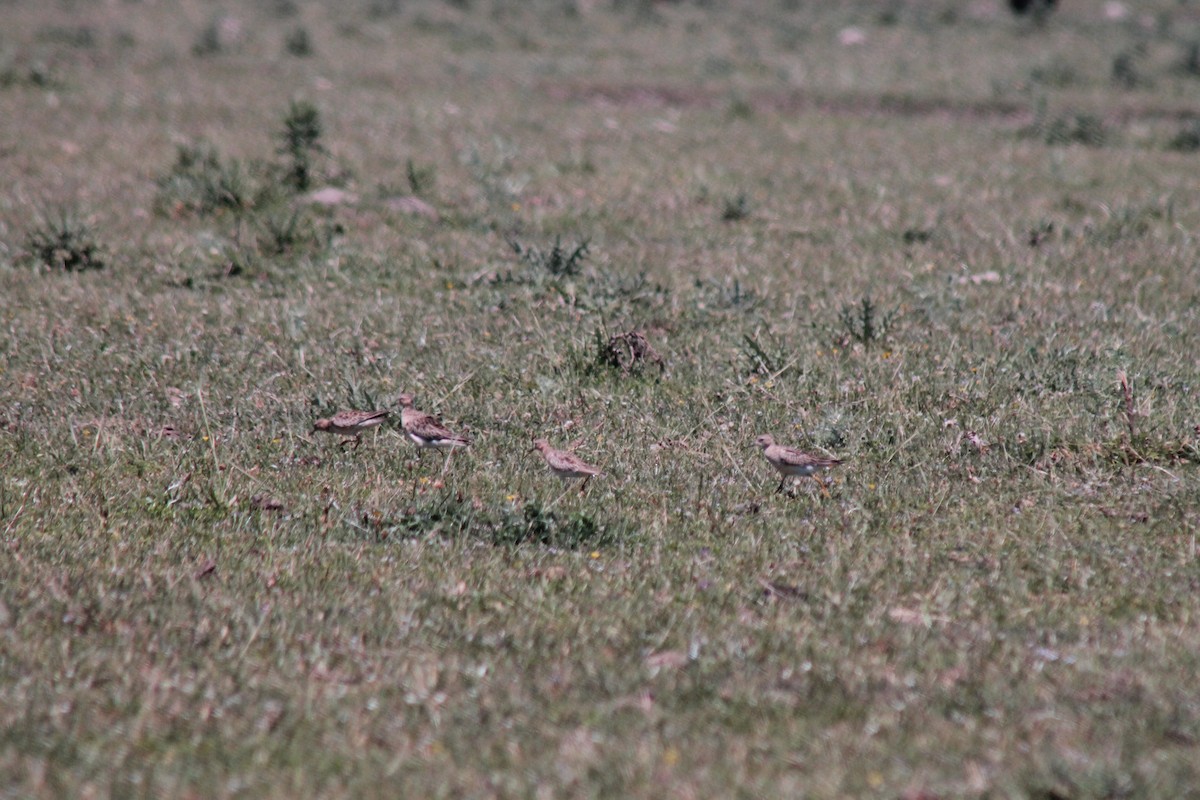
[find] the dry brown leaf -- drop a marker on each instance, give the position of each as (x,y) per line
(783,591)
(666,659)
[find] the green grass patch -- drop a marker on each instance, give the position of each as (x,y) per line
(648,233)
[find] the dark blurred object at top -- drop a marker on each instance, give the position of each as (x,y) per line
(1035,7)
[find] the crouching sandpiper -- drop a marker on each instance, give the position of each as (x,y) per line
(351,424)
(564,464)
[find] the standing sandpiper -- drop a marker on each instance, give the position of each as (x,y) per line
(351,424)
(790,461)
(566,465)
(425,430)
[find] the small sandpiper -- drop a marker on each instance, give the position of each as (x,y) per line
(425,430)
(790,461)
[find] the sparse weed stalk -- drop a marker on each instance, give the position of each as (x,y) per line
(493,170)
(590,359)
(764,357)
(1128,406)
(63,239)
(1127,223)
(1147,443)
(730,294)
(1041,373)
(420,179)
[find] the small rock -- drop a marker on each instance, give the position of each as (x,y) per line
(1116,11)
(330,196)
(852,36)
(991,276)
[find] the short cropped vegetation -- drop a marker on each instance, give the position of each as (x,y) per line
(955,247)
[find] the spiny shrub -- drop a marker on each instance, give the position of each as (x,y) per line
(535,524)
(1126,223)
(1039,232)
(1086,129)
(530,524)
(300,143)
(1190,63)
(1065,129)
(201,183)
(217,37)
(862,322)
(917,235)
(1056,73)
(298,43)
(612,293)
(1187,140)
(283,8)
(378,9)
(558,261)
(1125,71)
(285,232)
(35,74)
(723,295)
(735,208)
(765,358)
(81,36)
(64,240)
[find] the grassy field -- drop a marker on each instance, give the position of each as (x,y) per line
(954,248)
